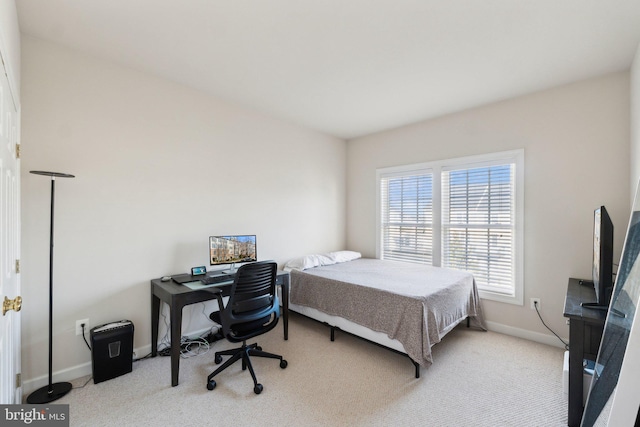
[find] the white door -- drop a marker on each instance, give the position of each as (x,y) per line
(10,386)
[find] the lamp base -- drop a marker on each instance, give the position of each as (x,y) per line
(42,395)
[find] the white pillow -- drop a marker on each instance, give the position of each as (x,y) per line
(317,260)
(308,261)
(344,256)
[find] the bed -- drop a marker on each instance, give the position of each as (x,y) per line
(405,307)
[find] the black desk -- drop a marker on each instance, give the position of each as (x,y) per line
(585,332)
(177,296)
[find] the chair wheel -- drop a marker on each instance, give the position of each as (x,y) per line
(257,389)
(283,363)
(211,385)
(218,359)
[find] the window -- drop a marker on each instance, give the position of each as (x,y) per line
(461,213)
(408,217)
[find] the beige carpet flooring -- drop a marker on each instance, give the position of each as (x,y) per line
(477,379)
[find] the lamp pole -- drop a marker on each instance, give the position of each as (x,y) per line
(52,391)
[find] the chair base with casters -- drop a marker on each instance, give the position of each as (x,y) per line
(243,353)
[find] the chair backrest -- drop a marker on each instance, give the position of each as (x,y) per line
(253,306)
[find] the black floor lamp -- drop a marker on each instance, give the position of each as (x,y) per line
(50,392)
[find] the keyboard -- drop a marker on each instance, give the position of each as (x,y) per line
(212,280)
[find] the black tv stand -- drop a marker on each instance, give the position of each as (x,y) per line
(585,334)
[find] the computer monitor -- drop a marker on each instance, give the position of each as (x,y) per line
(232,250)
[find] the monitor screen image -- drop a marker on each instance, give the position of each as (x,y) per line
(232,249)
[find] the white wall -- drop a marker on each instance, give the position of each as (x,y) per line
(159,167)
(10,43)
(576,141)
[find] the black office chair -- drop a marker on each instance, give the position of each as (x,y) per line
(253,309)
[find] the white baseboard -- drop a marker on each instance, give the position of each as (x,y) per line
(551,340)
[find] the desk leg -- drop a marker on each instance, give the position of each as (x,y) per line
(155,319)
(285,306)
(576,352)
(176,335)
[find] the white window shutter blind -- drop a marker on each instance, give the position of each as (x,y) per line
(407,217)
(478,224)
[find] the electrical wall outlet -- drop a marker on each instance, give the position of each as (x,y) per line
(79,324)
(534,302)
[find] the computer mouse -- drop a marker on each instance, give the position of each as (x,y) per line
(165,279)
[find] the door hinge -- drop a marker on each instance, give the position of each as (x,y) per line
(17,266)
(17,151)
(18,380)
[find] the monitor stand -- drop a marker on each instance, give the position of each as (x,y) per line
(231,270)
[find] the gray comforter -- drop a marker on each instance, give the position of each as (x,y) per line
(414,304)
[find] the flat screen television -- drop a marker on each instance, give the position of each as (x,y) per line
(232,250)
(602,269)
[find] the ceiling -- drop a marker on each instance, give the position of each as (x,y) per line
(349,68)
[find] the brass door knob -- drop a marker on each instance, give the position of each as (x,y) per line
(11,304)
